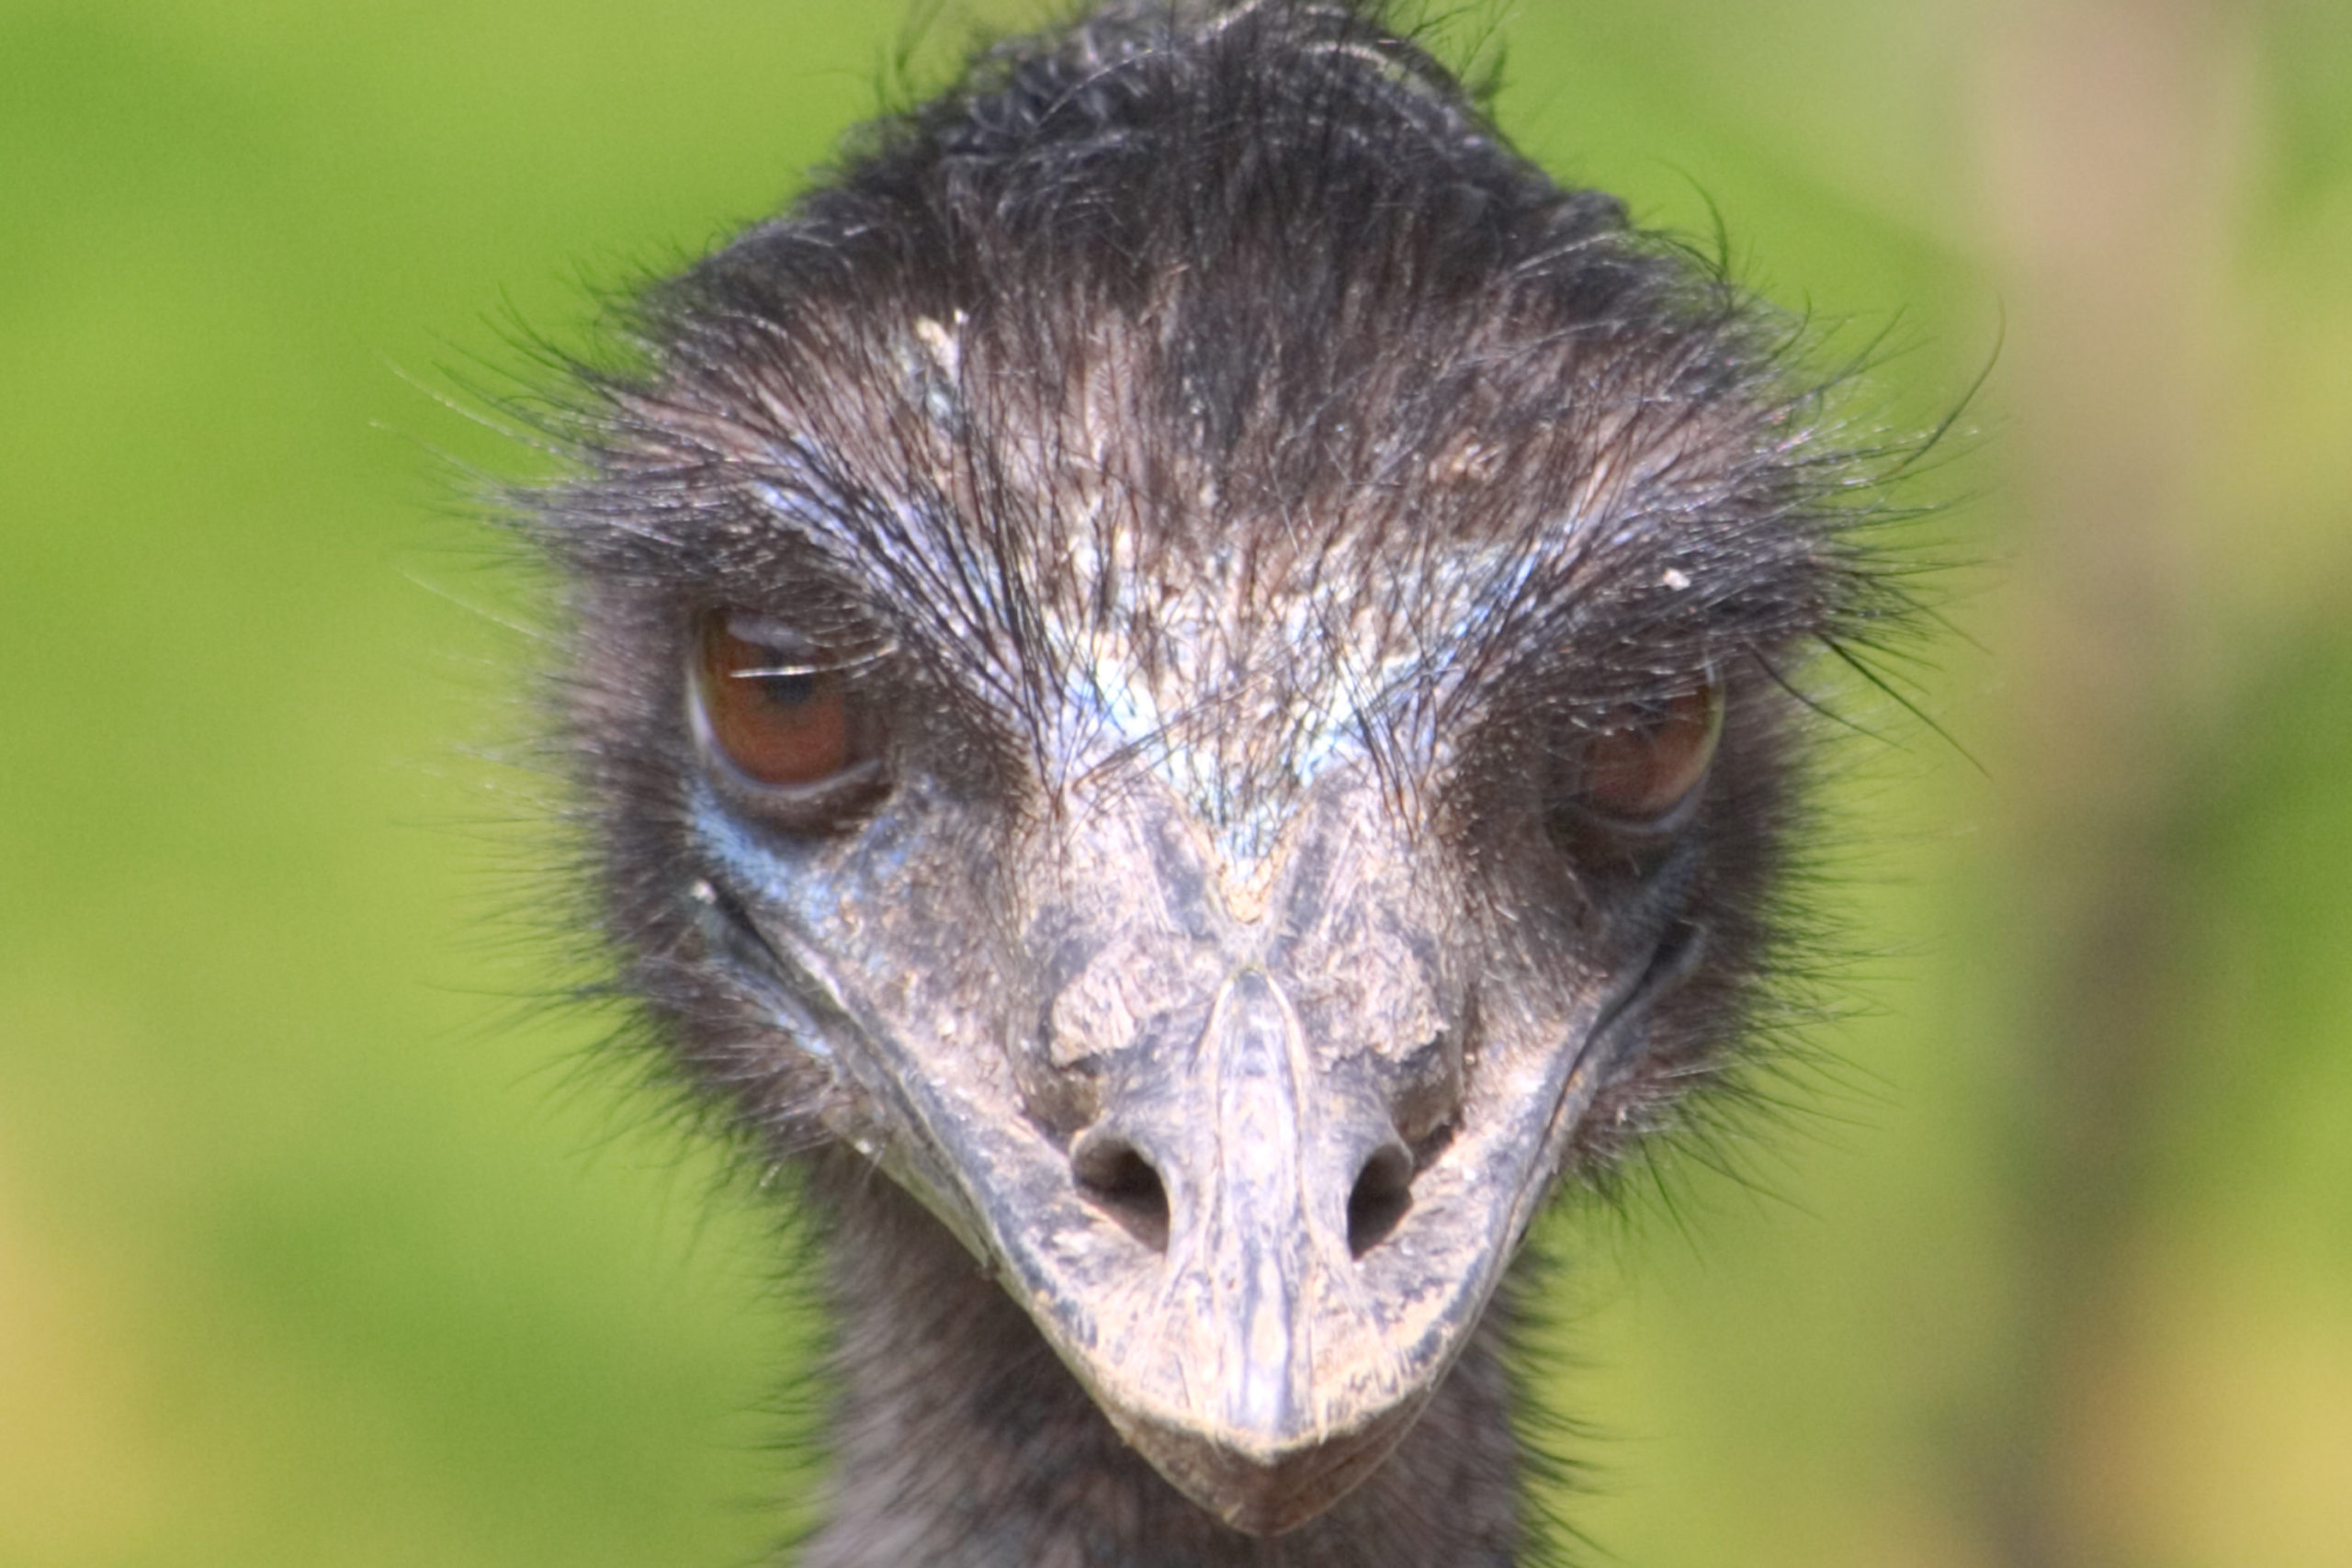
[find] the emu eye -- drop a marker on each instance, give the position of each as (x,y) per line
(1649,760)
(778,709)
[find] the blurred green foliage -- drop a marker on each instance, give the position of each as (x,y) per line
(321,1242)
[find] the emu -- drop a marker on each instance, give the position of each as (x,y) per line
(1183,685)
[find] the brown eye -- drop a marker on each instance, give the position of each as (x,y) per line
(1639,770)
(780,712)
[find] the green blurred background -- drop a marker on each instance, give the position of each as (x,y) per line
(320,1244)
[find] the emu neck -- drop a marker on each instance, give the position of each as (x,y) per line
(959,1441)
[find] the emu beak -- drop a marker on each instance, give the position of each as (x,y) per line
(1252,1196)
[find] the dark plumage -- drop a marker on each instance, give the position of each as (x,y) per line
(1190,661)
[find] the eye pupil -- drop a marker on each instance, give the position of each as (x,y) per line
(789,691)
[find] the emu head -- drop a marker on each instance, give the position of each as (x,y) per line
(1189,658)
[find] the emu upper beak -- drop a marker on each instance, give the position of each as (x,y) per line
(1252,1196)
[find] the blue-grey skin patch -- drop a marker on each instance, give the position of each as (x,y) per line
(798,878)
(801,894)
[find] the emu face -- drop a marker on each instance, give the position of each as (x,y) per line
(1189,660)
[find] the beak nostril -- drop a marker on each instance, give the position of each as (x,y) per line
(1383,1193)
(1114,1174)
